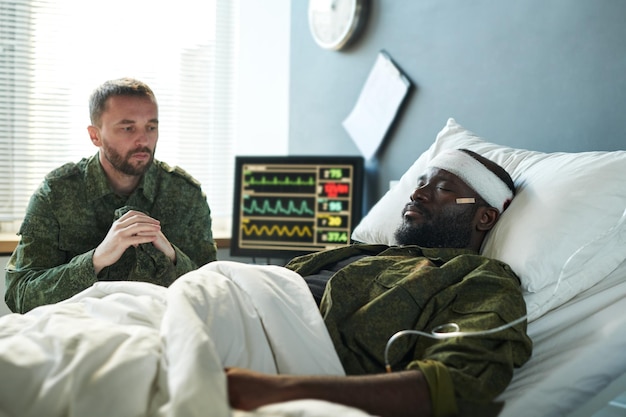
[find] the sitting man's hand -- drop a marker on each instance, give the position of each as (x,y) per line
(132,229)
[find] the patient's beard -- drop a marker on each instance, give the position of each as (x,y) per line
(449,229)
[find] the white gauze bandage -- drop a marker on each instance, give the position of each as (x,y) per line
(487,184)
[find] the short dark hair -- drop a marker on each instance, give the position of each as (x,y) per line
(111,88)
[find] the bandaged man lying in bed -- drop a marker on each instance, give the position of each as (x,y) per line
(433,278)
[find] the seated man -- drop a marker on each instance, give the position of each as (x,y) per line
(434,278)
(118,215)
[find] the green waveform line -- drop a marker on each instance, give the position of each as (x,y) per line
(278,208)
(276,181)
(275,229)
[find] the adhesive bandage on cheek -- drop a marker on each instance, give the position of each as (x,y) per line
(477,176)
(466,200)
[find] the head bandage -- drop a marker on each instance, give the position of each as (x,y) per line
(477,176)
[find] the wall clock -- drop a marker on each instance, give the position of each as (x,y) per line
(334,24)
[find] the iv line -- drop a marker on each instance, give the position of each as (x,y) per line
(446,331)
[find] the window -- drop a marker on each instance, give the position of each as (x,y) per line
(54,52)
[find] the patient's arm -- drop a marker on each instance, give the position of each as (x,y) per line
(387,395)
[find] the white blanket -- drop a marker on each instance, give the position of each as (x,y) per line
(136,349)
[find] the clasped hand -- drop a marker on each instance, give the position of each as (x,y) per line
(132,229)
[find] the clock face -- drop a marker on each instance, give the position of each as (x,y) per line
(333,23)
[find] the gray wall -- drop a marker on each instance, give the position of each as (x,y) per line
(546,75)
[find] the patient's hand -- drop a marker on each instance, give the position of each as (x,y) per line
(398,394)
(248,390)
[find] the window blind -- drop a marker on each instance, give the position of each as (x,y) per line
(53,53)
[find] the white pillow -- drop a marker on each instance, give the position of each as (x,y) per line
(564,231)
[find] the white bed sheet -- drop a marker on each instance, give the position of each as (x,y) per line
(579,349)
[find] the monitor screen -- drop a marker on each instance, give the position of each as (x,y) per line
(286,206)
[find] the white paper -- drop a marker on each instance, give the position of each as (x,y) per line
(377,106)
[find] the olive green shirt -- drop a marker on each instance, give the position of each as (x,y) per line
(70,214)
(400,288)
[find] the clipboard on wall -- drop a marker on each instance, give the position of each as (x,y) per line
(377,106)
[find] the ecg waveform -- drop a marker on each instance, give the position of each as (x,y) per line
(280,182)
(276,207)
(277,180)
(285,231)
(282,231)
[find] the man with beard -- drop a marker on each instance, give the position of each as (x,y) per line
(433,280)
(119,215)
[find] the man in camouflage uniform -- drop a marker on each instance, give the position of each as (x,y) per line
(434,279)
(119,215)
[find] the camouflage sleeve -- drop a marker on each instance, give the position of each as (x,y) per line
(184,263)
(38,273)
(193,241)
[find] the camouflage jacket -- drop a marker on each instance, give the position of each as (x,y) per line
(400,288)
(72,211)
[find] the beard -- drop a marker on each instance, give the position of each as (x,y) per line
(450,228)
(122,164)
